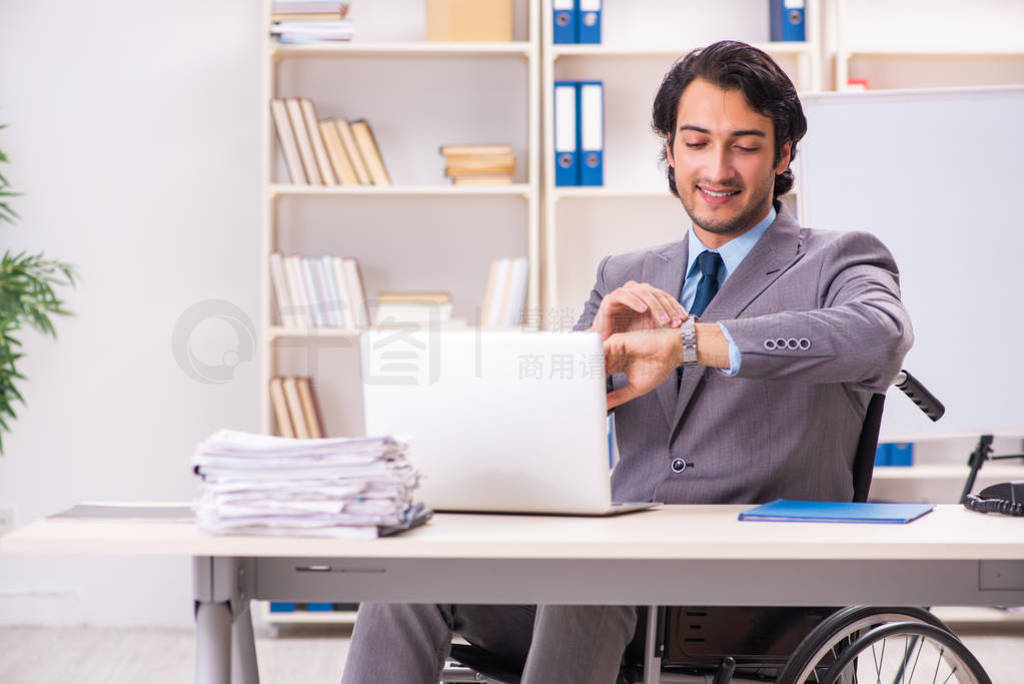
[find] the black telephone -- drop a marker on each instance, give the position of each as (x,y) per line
(1006,498)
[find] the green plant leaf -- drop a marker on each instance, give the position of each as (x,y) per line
(28,297)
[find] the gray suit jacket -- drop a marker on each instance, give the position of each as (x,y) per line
(820,327)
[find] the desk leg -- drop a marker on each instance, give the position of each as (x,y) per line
(213,643)
(652,661)
(225,649)
(243,649)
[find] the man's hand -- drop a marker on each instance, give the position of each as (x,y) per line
(647,357)
(637,306)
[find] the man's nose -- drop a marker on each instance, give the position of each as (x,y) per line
(719,165)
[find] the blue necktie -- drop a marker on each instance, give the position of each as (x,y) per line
(710,265)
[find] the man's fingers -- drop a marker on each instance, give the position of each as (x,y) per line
(619,397)
(663,306)
(618,310)
(616,358)
(676,313)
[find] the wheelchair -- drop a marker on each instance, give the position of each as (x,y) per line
(718,645)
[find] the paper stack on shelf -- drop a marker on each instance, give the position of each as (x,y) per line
(310,21)
(479,164)
(350,487)
(413,307)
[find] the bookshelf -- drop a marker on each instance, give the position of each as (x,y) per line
(421,232)
(584,224)
(916,44)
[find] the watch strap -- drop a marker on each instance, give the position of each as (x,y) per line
(688,334)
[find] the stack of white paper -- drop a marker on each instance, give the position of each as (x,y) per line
(344,487)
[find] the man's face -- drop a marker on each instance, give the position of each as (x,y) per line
(723,161)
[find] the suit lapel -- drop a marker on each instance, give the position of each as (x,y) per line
(664,269)
(778,249)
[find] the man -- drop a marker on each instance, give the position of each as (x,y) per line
(762,396)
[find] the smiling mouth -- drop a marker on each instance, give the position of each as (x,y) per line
(718,194)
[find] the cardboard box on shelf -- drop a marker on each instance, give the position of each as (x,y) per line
(470,20)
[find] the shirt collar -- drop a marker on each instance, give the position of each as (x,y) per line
(732,252)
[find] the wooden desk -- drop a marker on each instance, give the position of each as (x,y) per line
(696,555)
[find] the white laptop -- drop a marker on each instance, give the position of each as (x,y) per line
(497,421)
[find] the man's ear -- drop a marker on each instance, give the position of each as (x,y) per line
(668,154)
(784,157)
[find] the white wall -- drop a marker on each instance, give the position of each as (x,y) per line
(134,136)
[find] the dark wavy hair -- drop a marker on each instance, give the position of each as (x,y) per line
(732,65)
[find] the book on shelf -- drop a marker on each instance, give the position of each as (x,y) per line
(334,294)
(479,160)
(514,298)
(305,16)
(370,152)
(344,296)
(335,30)
(312,295)
(470,150)
(343,168)
(348,141)
(415,297)
(291,395)
(280,405)
(303,140)
(311,6)
(286,138)
(492,279)
(297,290)
(482,180)
(324,297)
(353,276)
(296,409)
(288,312)
(305,10)
(463,171)
(318,292)
(319,149)
(505,296)
(328,152)
(310,407)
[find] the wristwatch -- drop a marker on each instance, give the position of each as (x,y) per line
(688,334)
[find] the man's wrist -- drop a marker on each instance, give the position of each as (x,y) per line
(712,346)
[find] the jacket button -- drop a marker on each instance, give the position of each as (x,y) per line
(769,345)
(805,343)
(678,465)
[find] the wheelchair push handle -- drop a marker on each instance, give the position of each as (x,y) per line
(925,400)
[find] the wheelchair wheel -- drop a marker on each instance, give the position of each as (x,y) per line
(906,652)
(822,645)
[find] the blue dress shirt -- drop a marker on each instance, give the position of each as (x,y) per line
(733,252)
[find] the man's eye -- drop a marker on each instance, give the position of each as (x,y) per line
(694,146)
(747,149)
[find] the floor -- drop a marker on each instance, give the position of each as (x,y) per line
(89,655)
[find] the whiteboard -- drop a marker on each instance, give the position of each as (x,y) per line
(938,175)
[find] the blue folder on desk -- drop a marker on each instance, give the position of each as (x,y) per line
(788,510)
